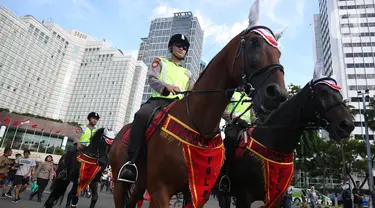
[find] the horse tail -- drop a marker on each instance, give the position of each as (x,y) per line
(57,193)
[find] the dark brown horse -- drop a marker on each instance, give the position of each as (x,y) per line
(97,152)
(251,60)
(318,104)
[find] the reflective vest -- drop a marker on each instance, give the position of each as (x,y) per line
(86,135)
(240,108)
(172,74)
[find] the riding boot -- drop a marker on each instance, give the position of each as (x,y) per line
(129,172)
(231,132)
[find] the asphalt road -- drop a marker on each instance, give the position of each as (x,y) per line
(105,201)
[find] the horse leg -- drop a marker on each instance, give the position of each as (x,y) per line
(121,193)
(137,195)
(72,199)
(94,196)
(160,197)
(244,200)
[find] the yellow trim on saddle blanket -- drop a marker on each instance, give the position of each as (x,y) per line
(82,157)
(166,123)
(282,169)
(204,157)
(261,156)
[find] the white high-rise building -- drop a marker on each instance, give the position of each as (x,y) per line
(65,74)
(345,41)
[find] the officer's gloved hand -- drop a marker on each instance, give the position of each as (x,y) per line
(242,123)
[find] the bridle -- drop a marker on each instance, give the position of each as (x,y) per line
(246,78)
(319,121)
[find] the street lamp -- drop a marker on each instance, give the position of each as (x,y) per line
(369,161)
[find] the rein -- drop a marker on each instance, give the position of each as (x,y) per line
(320,122)
(246,80)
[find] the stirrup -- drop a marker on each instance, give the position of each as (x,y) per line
(122,167)
(225,178)
(61,172)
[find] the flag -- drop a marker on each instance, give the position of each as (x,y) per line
(26,121)
(58,131)
(16,123)
(7,120)
(34,126)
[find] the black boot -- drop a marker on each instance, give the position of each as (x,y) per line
(129,171)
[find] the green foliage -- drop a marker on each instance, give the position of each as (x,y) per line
(4,110)
(37,116)
(370,111)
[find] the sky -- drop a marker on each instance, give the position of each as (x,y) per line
(124,22)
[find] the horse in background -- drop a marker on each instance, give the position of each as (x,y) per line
(263,165)
(85,170)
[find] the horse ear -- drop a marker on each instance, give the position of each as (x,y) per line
(280,33)
(254,14)
(318,70)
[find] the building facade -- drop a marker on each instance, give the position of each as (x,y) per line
(156,44)
(344,33)
(65,74)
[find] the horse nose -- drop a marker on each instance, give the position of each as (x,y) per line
(346,125)
(272,91)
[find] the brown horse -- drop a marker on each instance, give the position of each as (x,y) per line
(263,166)
(250,60)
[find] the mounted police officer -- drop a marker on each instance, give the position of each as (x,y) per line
(236,120)
(166,77)
(86,132)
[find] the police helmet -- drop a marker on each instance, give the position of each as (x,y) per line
(93,115)
(179,38)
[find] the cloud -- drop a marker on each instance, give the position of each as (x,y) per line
(284,13)
(79,10)
(84,5)
(163,10)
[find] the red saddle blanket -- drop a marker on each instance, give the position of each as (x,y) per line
(204,157)
(277,168)
(87,172)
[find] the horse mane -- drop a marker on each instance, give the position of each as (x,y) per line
(98,132)
(233,40)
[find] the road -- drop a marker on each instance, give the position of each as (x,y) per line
(105,201)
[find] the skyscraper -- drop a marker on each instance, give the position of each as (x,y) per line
(65,74)
(156,44)
(345,41)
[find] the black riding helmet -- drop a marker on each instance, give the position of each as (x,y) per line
(179,38)
(93,115)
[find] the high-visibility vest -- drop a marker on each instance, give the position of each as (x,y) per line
(86,135)
(172,74)
(242,106)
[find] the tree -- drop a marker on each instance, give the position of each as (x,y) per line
(370,111)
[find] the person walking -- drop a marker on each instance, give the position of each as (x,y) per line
(43,174)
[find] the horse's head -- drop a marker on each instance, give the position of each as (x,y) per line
(103,137)
(333,114)
(260,71)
